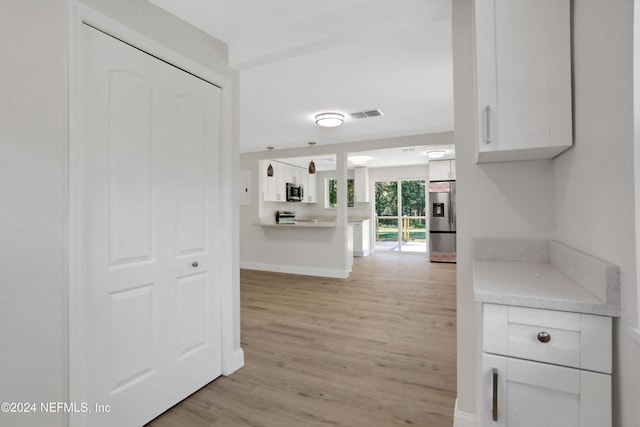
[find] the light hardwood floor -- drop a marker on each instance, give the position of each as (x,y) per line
(377,349)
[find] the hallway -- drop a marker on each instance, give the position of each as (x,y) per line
(377,349)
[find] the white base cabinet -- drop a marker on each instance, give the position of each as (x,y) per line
(522,393)
(361,239)
(545,368)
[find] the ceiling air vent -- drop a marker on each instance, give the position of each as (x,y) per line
(365,114)
(373,113)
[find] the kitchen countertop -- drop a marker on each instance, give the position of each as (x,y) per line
(552,285)
(299,224)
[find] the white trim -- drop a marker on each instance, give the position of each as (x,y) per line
(79,14)
(295,269)
(76,312)
(118,30)
(635,334)
(636,155)
(232,364)
(463,419)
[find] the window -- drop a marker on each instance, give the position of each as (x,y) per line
(331,193)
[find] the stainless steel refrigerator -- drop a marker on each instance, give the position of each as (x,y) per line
(442,221)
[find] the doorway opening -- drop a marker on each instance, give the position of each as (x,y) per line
(400,223)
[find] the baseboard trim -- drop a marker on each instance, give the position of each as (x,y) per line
(292,269)
(235,362)
(463,419)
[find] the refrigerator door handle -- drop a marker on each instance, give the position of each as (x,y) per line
(449,213)
(452,206)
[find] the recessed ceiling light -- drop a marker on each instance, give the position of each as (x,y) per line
(436,154)
(329,120)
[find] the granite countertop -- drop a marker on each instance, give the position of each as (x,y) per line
(547,275)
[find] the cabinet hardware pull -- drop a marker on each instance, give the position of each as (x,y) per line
(489,130)
(544,337)
(194,264)
(494,410)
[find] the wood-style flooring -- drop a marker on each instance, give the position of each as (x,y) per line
(377,349)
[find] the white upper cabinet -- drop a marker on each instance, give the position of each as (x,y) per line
(361,184)
(442,170)
(273,187)
(309,183)
(523,62)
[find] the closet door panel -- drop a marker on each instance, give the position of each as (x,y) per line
(148,165)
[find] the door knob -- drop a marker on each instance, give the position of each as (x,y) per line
(544,337)
(194,264)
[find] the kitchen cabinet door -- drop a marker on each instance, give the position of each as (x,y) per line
(523,61)
(310,192)
(361,240)
(281,186)
(273,187)
(521,393)
(441,170)
(268,182)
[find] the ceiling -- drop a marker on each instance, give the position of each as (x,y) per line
(298,58)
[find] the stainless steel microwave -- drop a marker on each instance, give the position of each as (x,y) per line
(295,192)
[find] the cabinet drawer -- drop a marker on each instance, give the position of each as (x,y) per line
(572,339)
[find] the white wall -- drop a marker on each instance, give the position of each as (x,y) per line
(594,185)
(494,200)
(404,172)
(34,136)
(33,163)
(310,251)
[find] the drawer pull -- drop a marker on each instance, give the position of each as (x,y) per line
(544,337)
(494,409)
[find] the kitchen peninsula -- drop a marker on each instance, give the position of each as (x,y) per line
(320,248)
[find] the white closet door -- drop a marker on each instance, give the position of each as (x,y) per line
(193,316)
(148,159)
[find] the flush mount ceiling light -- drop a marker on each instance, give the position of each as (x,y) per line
(436,154)
(329,120)
(359,160)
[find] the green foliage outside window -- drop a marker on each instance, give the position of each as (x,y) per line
(332,192)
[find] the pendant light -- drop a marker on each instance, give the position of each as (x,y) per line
(312,166)
(270,168)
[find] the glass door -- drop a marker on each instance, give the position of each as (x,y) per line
(407,231)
